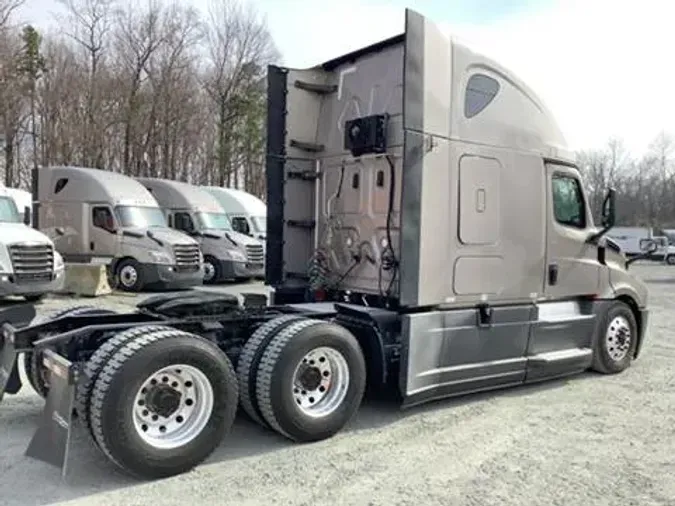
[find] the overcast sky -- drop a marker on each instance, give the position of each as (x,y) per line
(603,67)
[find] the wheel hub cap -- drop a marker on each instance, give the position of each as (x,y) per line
(172,406)
(128,275)
(320,382)
(163,400)
(209,271)
(618,338)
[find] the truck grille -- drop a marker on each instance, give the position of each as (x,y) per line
(187,257)
(32,263)
(255,254)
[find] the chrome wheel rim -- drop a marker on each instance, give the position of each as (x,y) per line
(209,271)
(173,406)
(128,275)
(618,338)
(320,382)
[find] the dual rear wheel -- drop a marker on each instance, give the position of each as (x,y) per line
(302,378)
(158,401)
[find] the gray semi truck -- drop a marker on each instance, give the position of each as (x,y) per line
(428,233)
(228,255)
(102,217)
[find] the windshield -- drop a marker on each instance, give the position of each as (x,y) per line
(141,217)
(8,210)
(214,221)
(260,223)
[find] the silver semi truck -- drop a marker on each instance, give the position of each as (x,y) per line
(227,254)
(428,233)
(99,216)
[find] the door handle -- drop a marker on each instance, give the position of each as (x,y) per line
(552,274)
(91,246)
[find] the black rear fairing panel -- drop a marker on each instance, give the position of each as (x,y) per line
(275,165)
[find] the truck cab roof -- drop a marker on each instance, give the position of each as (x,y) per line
(179,195)
(238,201)
(67,183)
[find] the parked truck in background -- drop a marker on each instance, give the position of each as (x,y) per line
(227,254)
(247,213)
(29,264)
(445,232)
(99,216)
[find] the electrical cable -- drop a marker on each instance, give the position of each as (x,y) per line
(389,262)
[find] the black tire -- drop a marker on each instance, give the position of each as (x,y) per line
(249,360)
(96,363)
(112,402)
(606,358)
(32,361)
(36,297)
(275,376)
(670,259)
(125,283)
(217,271)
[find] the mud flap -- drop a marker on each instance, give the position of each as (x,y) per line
(8,372)
(51,440)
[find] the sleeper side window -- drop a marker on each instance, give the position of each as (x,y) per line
(480,91)
(568,201)
(101,217)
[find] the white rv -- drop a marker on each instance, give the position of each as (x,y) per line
(247,213)
(29,264)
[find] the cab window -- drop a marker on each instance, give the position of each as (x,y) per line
(240,224)
(183,221)
(568,201)
(102,218)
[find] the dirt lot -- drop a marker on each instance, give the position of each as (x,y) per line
(589,440)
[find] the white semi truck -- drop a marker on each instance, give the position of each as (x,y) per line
(247,212)
(30,266)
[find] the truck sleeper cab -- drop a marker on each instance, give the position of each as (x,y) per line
(99,216)
(441,244)
(29,264)
(247,213)
(227,253)
(452,203)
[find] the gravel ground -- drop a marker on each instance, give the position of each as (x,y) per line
(589,440)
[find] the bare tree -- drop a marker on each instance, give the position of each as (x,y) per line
(238,40)
(7,8)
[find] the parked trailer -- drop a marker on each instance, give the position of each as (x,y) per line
(436,281)
(190,209)
(102,217)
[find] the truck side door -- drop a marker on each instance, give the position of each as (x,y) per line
(103,238)
(572,267)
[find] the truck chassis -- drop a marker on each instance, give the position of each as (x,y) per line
(158,390)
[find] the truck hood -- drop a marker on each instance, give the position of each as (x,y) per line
(13,233)
(167,235)
(238,237)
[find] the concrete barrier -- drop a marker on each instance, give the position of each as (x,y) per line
(86,279)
